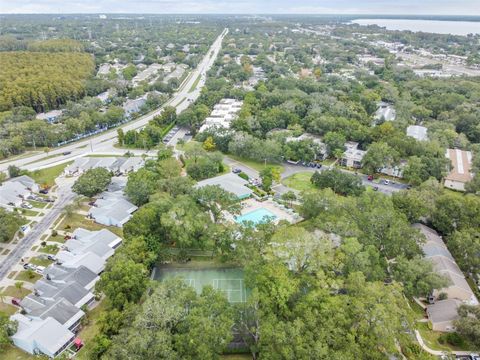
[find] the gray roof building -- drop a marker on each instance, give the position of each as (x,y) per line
(229,182)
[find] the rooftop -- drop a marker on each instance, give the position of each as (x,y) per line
(461,165)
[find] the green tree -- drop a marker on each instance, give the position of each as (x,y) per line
(92,182)
(379,155)
(469,323)
(140,185)
(123,282)
(335,142)
(7,329)
(340,182)
(465,247)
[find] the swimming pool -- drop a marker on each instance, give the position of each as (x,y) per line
(257,216)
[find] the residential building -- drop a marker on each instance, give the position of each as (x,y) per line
(417,132)
(59,309)
(112,209)
(460,170)
(13,193)
(121,165)
(352,157)
(443,313)
(27,182)
(134,105)
(223,114)
(385,112)
(41,336)
(229,182)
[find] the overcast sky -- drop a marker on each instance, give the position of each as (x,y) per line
(411,7)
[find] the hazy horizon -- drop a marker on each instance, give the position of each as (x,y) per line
(305,7)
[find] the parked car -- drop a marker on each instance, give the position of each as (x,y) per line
(52,257)
(386,182)
(16,301)
(236,171)
(370,178)
(40,269)
(26,205)
(26,266)
(375,188)
(319,166)
(44,190)
(66,153)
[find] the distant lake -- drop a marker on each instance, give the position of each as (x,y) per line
(431,26)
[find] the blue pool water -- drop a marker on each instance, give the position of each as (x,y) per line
(256,216)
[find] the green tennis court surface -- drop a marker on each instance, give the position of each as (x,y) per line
(229,281)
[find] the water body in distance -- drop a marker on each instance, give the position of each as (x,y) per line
(431,26)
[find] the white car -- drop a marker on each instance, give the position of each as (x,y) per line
(40,269)
(26,205)
(386,182)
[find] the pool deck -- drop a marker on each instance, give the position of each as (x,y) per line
(250,205)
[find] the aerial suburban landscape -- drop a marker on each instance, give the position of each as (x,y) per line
(195,182)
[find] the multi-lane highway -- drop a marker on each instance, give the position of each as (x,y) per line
(188,92)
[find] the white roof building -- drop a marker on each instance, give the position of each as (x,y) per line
(13,193)
(121,165)
(385,112)
(46,336)
(417,132)
(222,114)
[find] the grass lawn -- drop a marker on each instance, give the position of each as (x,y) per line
(299,181)
(47,176)
(40,261)
(59,238)
(38,204)
(89,331)
(14,292)
(77,220)
(11,352)
(7,309)
(28,212)
(430,338)
(256,165)
(49,249)
(26,276)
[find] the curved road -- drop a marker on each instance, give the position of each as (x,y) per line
(104,142)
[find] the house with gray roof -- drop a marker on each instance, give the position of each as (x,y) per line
(443,313)
(12,193)
(81,275)
(27,182)
(75,293)
(112,209)
(90,260)
(229,182)
(41,336)
(60,309)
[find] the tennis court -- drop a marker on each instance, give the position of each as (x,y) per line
(227,280)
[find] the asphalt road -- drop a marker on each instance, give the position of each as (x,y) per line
(64,196)
(105,142)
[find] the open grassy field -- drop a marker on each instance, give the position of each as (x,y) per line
(256,165)
(11,352)
(299,181)
(47,176)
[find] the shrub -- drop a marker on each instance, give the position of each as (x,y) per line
(243,176)
(451,338)
(442,296)
(54,233)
